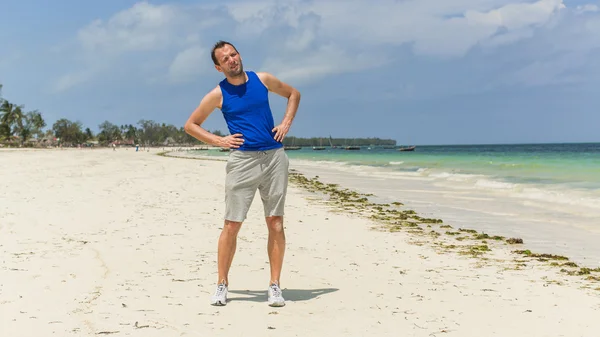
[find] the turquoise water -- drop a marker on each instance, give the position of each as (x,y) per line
(568,165)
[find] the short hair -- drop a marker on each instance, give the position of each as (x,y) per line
(219,44)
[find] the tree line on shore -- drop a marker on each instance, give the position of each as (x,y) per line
(19,127)
(27,128)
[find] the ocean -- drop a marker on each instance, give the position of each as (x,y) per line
(547,194)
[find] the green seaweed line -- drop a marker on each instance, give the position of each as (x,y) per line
(395,219)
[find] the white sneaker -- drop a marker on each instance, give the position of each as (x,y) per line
(220,296)
(275,296)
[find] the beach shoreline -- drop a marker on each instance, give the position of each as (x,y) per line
(124,243)
(577,245)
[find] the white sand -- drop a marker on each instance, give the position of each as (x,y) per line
(96,242)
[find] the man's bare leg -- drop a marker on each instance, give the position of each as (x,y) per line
(226,249)
(276,246)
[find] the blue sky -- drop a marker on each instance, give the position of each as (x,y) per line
(418,71)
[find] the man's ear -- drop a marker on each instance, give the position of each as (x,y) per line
(219,69)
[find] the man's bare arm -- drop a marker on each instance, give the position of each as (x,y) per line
(194,128)
(285,90)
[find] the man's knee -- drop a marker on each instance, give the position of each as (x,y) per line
(275,223)
(231,227)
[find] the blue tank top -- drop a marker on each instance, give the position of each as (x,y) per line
(246,110)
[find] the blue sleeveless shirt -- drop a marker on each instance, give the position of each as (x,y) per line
(246,110)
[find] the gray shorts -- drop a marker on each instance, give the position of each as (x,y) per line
(248,171)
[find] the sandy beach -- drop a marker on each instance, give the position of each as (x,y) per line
(123,243)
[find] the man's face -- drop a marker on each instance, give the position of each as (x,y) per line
(230,62)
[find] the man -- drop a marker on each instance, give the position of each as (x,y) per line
(257,160)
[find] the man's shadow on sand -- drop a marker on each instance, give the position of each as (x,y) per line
(294,295)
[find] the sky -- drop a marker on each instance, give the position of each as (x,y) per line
(418,71)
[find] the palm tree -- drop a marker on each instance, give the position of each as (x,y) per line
(10,118)
(37,121)
(88,134)
(30,124)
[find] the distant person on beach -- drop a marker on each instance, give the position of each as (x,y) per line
(257,159)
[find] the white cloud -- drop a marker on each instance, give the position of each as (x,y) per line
(143,27)
(449,28)
(70,80)
(445,29)
(147,27)
(587,8)
(307,40)
(516,16)
(507,38)
(140,38)
(188,64)
(307,32)
(563,52)
(327,60)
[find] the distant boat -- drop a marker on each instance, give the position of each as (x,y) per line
(331,143)
(292,147)
(320,147)
(409,148)
(352,148)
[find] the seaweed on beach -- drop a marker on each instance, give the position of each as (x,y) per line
(514,241)
(396,219)
(541,257)
(475,250)
(388,213)
(484,236)
(581,271)
(391,215)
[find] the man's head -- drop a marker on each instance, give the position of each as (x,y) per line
(227,59)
